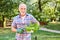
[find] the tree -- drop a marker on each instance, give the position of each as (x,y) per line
(50,8)
(5,9)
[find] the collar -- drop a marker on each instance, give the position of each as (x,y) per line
(20,16)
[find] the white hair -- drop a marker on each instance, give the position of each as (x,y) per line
(22,4)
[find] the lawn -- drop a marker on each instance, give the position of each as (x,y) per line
(6,34)
(53,26)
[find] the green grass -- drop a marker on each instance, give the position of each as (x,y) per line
(6,34)
(53,26)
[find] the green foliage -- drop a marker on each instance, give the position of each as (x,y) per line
(34,27)
(20,30)
(50,9)
(9,8)
(6,8)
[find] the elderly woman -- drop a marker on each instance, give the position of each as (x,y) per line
(20,21)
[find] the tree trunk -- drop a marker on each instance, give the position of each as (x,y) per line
(4,21)
(39,3)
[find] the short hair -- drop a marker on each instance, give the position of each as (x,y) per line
(22,4)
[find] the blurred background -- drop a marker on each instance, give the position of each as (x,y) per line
(47,12)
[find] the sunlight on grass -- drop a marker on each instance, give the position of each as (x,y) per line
(6,34)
